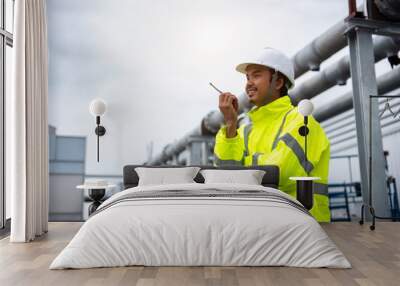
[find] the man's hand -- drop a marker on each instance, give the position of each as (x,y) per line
(229,106)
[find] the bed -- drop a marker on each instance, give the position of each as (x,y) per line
(201,224)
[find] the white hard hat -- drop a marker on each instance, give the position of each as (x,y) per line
(273,59)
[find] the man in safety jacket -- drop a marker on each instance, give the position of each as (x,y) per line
(271,135)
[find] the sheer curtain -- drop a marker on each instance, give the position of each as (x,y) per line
(28,123)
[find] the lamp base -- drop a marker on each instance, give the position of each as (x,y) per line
(95,195)
(304,190)
(304,193)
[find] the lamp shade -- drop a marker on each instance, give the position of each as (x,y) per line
(97,107)
(306,107)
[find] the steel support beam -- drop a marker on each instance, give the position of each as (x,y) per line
(375,27)
(362,67)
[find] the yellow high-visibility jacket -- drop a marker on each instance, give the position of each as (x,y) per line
(272,138)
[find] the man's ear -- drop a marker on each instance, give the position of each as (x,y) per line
(279,83)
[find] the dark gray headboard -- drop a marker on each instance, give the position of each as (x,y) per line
(271,177)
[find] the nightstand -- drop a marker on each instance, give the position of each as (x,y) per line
(96,193)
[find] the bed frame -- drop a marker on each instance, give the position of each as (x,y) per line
(270,179)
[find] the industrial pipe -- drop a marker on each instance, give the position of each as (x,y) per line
(321,48)
(386,83)
(389,8)
(173,149)
(338,72)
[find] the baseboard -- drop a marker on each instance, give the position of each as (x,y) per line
(65,217)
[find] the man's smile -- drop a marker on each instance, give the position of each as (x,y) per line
(251,91)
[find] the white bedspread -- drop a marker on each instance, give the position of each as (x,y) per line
(200,231)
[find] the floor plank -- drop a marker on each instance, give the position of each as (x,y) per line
(374,255)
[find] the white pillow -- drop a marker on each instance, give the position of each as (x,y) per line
(162,176)
(249,177)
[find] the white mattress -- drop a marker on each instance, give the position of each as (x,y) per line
(204,231)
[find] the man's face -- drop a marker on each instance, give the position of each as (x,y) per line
(258,83)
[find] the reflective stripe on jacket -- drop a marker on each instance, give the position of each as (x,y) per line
(272,138)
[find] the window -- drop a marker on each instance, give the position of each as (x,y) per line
(6,43)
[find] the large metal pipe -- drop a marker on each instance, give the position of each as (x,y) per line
(338,72)
(387,132)
(389,8)
(386,83)
(312,55)
(348,125)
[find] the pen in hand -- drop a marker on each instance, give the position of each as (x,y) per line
(215,88)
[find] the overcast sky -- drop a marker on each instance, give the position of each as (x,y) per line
(151,61)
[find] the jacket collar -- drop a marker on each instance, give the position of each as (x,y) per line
(275,108)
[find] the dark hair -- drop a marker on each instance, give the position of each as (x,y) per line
(284,88)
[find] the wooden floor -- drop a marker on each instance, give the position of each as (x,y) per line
(375,257)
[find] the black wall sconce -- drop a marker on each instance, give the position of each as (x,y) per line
(305,185)
(98,108)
